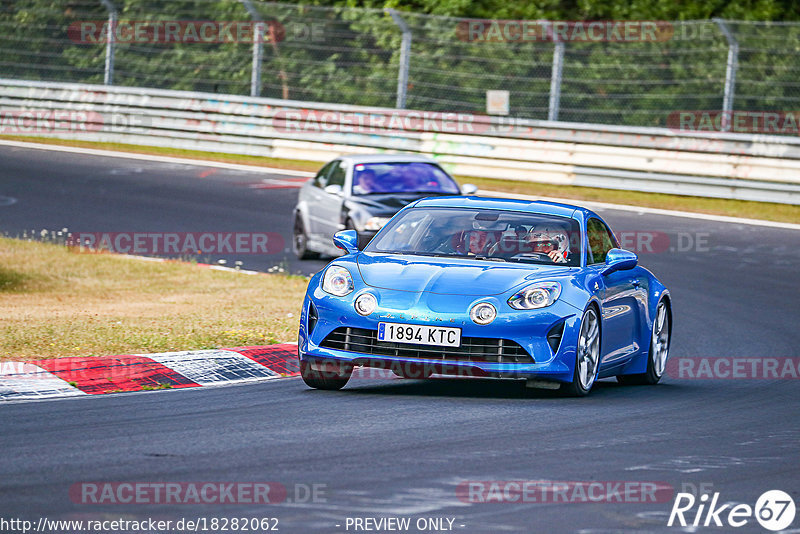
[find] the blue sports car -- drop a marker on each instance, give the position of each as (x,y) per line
(487,287)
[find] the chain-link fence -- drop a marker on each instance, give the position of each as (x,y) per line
(556,70)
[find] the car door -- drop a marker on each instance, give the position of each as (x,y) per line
(329,207)
(315,197)
(618,295)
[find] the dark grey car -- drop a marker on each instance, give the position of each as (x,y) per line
(362,192)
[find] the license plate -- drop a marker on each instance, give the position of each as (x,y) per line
(419,334)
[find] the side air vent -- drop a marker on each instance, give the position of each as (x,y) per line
(554,336)
(313,317)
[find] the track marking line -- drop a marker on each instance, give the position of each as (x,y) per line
(307,174)
(160,159)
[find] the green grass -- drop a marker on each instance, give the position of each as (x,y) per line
(715,206)
(59,302)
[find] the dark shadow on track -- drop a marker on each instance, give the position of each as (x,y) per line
(476,388)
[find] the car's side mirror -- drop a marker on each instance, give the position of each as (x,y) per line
(346,240)
(334,189)
(469,189)
(618,259)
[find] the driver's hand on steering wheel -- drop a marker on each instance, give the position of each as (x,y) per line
(557,256)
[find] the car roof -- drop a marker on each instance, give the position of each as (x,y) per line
(529,206)
(385,158)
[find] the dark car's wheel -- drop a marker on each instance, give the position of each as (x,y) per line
(587,357)
(327,379)
(300,240)
(659,351)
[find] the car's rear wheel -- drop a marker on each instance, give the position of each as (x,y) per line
(327,379)
(300,240)
(659,351)
(587,357)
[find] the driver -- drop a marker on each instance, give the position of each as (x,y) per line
(549,240)
(367,182)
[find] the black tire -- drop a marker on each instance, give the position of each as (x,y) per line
(300,240)
(579,387)
(654,372)
(329,380)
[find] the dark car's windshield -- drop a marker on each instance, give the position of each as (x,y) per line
(490,235)
(416,177)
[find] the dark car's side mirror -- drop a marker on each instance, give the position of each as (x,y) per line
(346,240)
(618,259)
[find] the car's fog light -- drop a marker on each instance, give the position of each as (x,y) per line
(366,304)
(483,313)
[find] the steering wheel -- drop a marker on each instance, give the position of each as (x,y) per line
(539,256)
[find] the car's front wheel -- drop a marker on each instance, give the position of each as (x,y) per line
(300,240)
(327,379)
(659,351)
(587,357)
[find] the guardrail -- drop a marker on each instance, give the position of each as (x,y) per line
(723,165)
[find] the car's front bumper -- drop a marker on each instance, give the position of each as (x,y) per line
(322,314)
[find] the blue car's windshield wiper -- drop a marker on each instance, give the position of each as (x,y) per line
(420,253)
(488,258)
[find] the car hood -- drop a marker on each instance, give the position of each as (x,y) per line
(453,276)
(387,204)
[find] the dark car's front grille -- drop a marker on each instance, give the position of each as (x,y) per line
(472,349)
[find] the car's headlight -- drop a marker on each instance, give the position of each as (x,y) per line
(538,295)
(374,224)
(337,281)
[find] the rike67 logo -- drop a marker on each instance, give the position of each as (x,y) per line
(774,510)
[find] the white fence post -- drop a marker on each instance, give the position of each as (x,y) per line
(405,57)
(258,49)
(555,81)
(731,67)
(108,74)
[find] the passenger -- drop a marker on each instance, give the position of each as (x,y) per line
(549,240)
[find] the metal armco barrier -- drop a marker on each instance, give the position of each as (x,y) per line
(723,165)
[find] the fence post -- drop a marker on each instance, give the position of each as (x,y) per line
(405,57)
(555,80)
(108,74)
(258,39)
(731,67)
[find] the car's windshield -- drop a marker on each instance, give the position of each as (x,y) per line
(400,177)
(490,235)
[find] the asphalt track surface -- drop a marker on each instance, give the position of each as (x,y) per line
(400,448)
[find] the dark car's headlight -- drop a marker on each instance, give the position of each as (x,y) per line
(534,296)
(374,224)
(337,281)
